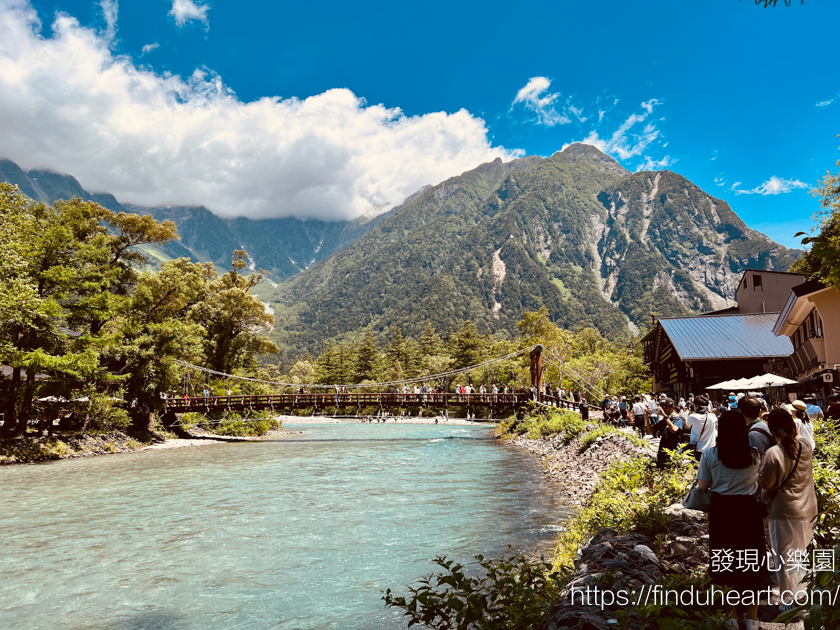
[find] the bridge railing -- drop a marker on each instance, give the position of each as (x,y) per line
(362,399)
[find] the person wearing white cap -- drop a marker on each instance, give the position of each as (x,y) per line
(803,422)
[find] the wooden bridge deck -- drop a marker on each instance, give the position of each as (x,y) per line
(279,402)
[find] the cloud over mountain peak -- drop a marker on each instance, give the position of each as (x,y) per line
(71,104)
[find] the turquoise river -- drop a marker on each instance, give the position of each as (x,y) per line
(303,531)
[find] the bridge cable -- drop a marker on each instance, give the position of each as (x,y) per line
(415,379)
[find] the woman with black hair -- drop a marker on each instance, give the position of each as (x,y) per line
(787,482)
(729,471)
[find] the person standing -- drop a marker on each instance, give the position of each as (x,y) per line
(702,425)
(759,433)
(639,409)
(584,410)
(813,410)
(729,471)
(787,481)
(671,427)
(653,413)
(803,422)
(832,411)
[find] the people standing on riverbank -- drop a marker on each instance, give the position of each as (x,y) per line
(787,480)
(729,471)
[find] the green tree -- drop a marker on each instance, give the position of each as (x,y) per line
(233,318)
(71,268)
(822,260)
(367,358)
(396,352)
(467,345)
(156,329)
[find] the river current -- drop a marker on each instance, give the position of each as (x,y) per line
(302,532)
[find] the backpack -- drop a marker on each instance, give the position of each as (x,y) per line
(765,433)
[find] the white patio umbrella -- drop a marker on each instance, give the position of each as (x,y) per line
(769,380)
(723,385)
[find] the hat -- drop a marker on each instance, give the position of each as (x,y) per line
(798,404)
(667,402)
(788,407)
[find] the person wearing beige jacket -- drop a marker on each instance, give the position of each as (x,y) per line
(787,481)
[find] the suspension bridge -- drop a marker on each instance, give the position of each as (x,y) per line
(492,404)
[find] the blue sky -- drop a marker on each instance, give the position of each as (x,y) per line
(719,91)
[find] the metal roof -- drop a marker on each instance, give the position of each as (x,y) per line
(745,336)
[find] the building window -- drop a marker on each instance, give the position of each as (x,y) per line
(757,283)
(818,324)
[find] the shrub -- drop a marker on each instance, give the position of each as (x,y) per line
(546,423)
(101,412)
(630,496)
(231,424)
(513,592)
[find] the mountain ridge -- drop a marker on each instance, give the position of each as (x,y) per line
(576,232)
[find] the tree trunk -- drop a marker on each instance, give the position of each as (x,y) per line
(26,403)
(10,411)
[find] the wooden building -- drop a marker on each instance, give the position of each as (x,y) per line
(810,320)
(688,354)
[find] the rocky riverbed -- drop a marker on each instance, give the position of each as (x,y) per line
(578,473)
(622,563)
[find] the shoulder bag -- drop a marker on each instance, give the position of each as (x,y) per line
(697,499)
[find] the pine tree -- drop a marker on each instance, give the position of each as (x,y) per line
(367,358)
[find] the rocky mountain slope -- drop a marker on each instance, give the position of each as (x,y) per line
(576,233)
(282,247)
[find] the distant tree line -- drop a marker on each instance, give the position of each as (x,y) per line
(580,360)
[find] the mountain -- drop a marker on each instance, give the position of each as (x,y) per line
(282,247)
(576,233)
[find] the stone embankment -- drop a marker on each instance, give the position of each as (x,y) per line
(579,472)
(625,565)
(609,561)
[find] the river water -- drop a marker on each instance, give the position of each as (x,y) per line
(300,532)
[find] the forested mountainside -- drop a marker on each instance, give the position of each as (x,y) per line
(282,247)
(576,233)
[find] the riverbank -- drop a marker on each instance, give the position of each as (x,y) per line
(631,532)
(36,448)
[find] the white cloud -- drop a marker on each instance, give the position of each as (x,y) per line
(632,137)
(536,97)
(149,48)
(828,102)
(720,180)
(773,186)
(186,10)
(649,164)
(70,104)
(110,10)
